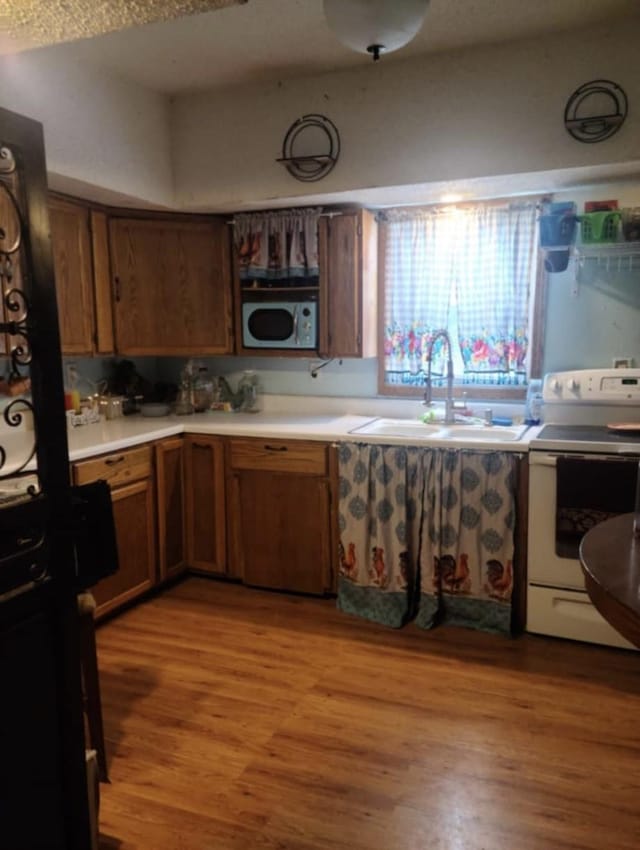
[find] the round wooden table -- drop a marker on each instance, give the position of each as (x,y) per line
(610,558)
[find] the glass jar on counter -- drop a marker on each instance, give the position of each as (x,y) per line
(248,392)
(202,391)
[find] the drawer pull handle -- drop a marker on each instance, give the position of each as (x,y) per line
(111,461)
(275,448)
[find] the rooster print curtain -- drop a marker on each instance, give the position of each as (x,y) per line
(381,494)
(466,553)
(427,533)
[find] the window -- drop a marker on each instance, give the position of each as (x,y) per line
(470,270)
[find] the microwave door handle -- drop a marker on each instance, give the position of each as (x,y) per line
(296,338)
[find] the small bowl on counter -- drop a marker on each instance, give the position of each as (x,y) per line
(155,409)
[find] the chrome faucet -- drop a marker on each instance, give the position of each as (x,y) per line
(449,415)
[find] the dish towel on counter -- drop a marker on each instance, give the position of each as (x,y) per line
(427,533)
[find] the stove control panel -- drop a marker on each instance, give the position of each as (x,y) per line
(592,386)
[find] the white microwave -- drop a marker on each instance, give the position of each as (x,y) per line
(280,324)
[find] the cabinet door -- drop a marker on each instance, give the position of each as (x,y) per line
(71,245)
(133,512)
(170,503)
(281,530)
(172,286)
(205,504)
(348,285)
(104,342)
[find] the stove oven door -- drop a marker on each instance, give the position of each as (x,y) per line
(568,495)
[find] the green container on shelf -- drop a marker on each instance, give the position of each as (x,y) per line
(598,227)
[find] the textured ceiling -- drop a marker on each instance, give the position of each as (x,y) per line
(179,51)
(33,23)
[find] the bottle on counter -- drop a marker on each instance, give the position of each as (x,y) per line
(533,403)
(184,400)
(202,390)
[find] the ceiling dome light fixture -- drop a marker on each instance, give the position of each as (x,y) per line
(375,26)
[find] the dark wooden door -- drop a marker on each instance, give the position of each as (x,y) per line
(43,787)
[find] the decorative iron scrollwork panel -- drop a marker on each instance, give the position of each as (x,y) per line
(15,322)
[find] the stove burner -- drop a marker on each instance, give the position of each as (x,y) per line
(586,434)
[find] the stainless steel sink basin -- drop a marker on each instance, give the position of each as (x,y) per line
(419,431)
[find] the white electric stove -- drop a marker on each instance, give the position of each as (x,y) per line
(583,469)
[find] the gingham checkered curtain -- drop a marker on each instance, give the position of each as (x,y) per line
(495,273)
(469,269)
(419,273)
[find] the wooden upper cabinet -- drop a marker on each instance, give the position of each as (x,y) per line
(81,265)
(71,246)
(171,286)
(348,284)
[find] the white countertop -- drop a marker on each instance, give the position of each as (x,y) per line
(132,430)
(326,422)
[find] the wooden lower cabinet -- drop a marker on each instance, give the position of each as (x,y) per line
(205,504)
(279,514)
(130,475)
(170,498)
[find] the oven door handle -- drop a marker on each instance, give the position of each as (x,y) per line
(539,459)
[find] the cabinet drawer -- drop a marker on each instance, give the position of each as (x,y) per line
(116,468)
(279,456)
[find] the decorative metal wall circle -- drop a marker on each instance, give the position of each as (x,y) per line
(590,128)
(315,166)
(17,324)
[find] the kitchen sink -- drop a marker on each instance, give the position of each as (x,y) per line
(398,428)
(416,430)
(494,433)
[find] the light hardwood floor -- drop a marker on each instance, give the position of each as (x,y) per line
(239,719)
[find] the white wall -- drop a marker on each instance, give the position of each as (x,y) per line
(465,114)
(593,311)
(98,129)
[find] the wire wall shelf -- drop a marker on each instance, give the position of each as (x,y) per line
(612,256)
